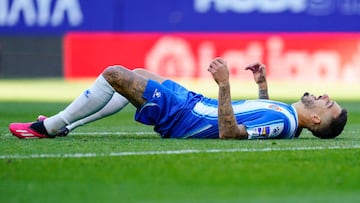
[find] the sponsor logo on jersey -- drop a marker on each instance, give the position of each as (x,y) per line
(264,131)
(275,107)
(156,94)
(270,131)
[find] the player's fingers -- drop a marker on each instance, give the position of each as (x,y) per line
(218,62)
(212,67)
(222,61)
(214,63)
(250,68)
(262,68)
(253,67)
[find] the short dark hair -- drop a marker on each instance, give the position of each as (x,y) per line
(334,129)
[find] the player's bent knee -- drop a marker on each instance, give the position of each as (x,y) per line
(114,72)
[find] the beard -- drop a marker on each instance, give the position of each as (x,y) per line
(307,100)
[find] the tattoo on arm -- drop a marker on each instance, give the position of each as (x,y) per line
(228,127)
(263,94)
(263,89)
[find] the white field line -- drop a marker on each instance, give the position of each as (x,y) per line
(170,152)
(115,133)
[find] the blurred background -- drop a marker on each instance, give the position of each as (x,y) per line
(304,43)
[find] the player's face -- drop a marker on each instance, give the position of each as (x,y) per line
(321,105)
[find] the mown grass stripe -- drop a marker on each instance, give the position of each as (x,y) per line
(170,152)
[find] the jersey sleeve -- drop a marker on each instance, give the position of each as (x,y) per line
(265,127)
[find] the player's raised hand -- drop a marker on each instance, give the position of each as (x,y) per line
(219,70)
(259,71)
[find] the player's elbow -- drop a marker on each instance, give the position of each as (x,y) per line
(222,136)
(226,136)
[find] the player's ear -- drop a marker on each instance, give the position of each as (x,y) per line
(315,118)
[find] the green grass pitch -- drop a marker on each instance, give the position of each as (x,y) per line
(119,160)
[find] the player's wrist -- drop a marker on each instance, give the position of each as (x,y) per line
(224,84)
(262,85)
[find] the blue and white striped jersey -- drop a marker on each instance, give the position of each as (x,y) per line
(262,118)
(176,112)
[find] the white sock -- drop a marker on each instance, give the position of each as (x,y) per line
(91,101)
(116,103)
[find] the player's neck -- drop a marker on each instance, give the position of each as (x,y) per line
(303,116)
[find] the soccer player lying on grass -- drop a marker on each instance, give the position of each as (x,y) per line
(176,112)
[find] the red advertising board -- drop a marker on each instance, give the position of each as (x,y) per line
(288,56)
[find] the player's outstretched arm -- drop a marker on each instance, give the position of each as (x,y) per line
(259,73)
(228,127)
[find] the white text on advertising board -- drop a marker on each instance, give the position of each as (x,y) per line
(40,12)
(310,7)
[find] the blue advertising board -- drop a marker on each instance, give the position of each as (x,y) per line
(56,17)
(243,15)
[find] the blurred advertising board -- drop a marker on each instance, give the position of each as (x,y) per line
(311,57)
(298,39)
(57,17)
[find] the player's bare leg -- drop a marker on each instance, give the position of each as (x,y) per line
(130,84)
